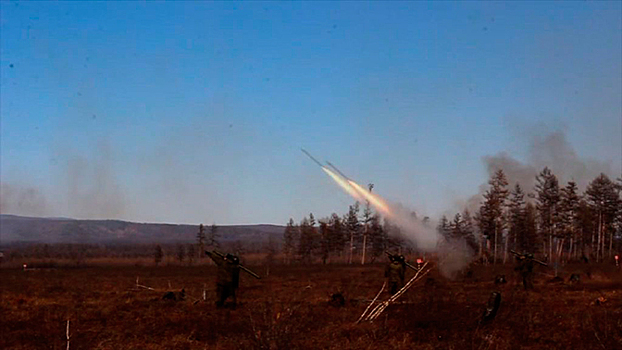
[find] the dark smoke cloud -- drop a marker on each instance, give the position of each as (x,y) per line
(546,148)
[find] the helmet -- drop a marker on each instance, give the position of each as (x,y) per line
(233,259)
(401,258)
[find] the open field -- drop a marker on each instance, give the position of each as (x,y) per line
(289,309)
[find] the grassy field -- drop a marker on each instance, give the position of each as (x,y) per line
(289,309)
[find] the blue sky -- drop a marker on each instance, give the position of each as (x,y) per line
(196,112)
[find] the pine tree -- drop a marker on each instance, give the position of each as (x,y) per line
(367,214)
(353,228)
(529,239)
(547,197)
(516,217)
(289,240)
(467,230)
(337,238)
(308,239)
(443,227)
(603,198)
(213,236)
(325,235)
(491,216)
(377,237)
(455,227)
(568,218)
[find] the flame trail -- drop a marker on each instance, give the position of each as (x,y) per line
(343,184)
(376,201)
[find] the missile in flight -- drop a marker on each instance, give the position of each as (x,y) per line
(312,158)
(337,170)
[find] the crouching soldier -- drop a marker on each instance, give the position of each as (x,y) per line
(228,277)
(395,273)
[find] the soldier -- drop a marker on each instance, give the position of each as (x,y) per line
(395,273)
(525,267)
(228,277)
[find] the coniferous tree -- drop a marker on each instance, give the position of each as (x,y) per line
(547,198)
(325,235)
(289,240)
(492,212)
(377,236)
(586,229)
(444,227)
(516,216)
(602,196)
(528,241)
(213,236)
(367,214)
(308,239)
(337,238)
(353,228)
(467,230)
(455,227)
(568,218)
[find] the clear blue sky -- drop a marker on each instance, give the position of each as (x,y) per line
(196,112)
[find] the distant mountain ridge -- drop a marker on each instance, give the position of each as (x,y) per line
(14,228)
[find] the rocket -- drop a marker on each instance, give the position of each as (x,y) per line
(312,158)
(337,170)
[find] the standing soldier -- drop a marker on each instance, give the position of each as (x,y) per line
(228,276)
(525,267)
(395,273)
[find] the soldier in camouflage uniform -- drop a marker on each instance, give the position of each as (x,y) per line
(395,273)
(525,267)
(228,277)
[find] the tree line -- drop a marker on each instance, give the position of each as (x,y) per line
(554,220)
(356,236)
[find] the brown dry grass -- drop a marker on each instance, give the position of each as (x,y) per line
(289,310)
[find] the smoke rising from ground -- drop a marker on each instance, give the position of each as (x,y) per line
(453,254)
(424,237)
(84,187)
(546,148)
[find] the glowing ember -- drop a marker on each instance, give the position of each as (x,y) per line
(419,261)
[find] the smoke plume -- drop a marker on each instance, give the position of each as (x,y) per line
(22,200)
(546,148)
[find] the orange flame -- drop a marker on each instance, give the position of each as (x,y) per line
(343,184)
(373,199)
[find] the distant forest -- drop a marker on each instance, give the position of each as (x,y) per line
(553,220)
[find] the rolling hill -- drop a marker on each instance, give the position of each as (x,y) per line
(15,228)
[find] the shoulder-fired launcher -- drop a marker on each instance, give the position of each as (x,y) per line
(404,261)
(224,257)
(524,256)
